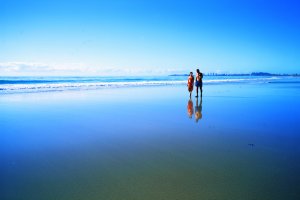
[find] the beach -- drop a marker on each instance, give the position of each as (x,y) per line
(140,143)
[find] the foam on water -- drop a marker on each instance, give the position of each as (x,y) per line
(44,84)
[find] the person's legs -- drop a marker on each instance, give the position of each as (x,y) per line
(197,89)
(200,89)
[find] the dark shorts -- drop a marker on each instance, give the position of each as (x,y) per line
(198,84)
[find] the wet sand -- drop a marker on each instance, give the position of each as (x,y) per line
(140,143)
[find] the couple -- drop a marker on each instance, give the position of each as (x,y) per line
(198,82)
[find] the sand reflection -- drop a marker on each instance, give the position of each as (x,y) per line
(198,110)
(190,108)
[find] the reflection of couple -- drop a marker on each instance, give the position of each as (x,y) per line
(198,109)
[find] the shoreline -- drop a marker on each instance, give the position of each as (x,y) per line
(81,84)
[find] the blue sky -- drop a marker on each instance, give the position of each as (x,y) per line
(130,37)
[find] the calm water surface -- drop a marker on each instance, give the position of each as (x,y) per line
(240,142)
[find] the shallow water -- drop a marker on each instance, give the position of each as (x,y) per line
(139,143)
(28,84)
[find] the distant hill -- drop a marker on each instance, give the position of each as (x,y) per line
(261,74)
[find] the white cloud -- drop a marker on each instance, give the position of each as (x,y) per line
(79,69)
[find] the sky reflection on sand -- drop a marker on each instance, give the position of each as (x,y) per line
(139,143)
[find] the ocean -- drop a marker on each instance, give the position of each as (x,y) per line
(73,138)
(29,84)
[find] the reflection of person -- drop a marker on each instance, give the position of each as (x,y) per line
(198,82)
(198,110)
(190,83)
(190,108)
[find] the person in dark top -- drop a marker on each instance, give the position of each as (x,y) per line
(198,82)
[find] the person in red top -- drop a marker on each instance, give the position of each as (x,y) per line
(190,83)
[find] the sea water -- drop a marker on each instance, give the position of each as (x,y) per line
(140,142)
(44,84)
